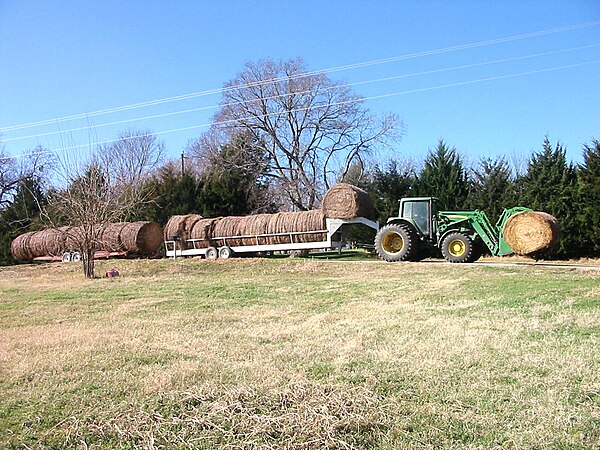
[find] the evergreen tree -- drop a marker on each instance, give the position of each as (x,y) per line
(589,199)
(550,186)
(492,187)
(444,176)
(171,193)
(388,186)
(22,215)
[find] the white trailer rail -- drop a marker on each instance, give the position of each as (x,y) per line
(220,247)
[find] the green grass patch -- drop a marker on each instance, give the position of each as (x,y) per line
(298,353)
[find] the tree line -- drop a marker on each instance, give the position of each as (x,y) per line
(282,137)
(234,182)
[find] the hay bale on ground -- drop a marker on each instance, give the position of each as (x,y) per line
(344,201)
(20,248)
(143,238)
(529,232)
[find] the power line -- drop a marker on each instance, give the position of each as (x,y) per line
(306,74)
(375,97)
(376,80)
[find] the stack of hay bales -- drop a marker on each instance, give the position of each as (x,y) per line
(530,232)
(343,201)
(141,238)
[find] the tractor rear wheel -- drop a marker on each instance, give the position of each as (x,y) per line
(458,248)
(396,243)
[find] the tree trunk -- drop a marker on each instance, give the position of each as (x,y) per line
(87,257)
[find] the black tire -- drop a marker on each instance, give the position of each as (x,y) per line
(396,243)
(212,253)
(477,251)
(458,248)
(225,252)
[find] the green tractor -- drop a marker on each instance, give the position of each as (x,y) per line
(461,236)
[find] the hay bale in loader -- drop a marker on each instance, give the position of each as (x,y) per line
(345,201)
(529,232)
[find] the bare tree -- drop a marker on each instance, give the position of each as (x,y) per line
(14,170)
(312,128)
(103,187)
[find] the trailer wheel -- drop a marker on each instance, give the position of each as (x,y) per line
(75,256)
(212,253)
(396,243)
(66,257)
(225,252)
(458,248)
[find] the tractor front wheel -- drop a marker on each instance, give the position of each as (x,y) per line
(396,243)
(458,248)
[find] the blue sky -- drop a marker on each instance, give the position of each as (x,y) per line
(60,58)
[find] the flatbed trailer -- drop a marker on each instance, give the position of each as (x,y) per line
(219,247)
(76,256)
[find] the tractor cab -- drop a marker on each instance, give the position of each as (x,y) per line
(420,212)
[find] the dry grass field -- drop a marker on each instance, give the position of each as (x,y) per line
(299,353)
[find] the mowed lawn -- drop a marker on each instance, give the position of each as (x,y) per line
(299,353)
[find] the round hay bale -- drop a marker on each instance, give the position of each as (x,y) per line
(53,242)
(110,237)
(272,228)
(71,238)
(20,248)
(180,226)
(203,229)
(314,220)
(229,227)
(37,244)
(528,232)
(257,225)
(188,225)
(143,238)
(344,201)
(281,223)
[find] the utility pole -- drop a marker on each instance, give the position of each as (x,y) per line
(182,163)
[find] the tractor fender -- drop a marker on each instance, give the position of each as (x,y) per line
(401,221)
